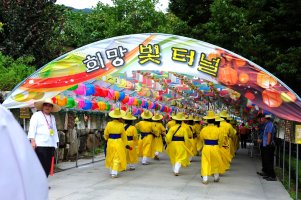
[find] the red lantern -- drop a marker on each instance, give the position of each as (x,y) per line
(271,98)
(125,100)
(243,77)
(228,75)
(104,92)
(250,96)
(123,107)
(94,105)
(98,91)
(265,81)
(53,100)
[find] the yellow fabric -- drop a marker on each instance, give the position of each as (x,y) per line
(132,155)
(158,130)
(225,151)
(197,128)
(211,158)
(193,142)
(170,124)
(145,145)
(231,133)
(177,150)
(116,151)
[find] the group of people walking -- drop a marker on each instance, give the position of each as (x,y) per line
(216,142)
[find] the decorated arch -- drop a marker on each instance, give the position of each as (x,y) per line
(157,71)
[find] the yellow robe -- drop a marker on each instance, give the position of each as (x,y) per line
(132,155)
(211,158)
(116,151)
(197,128)
(145,144)
(170,124)
(158,129)
(225,151)
(177,150)
(231,133)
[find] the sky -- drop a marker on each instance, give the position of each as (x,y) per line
(81,4)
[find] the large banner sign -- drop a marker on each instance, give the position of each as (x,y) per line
(125,58)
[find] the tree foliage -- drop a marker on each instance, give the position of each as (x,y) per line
(14,71)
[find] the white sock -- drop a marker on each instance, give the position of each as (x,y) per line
(177,167)
(216,176)
(114,172)
(205,178)
(144,159)
(156,153)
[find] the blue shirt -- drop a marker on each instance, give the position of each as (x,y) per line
(267,129)
(261,130)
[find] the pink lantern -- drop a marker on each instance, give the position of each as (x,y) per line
(111,94)
(80,103)
(131,100)
(81,89)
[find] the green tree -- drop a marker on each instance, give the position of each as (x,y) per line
(29,28)
(14,71)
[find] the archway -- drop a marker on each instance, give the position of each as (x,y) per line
(159,71)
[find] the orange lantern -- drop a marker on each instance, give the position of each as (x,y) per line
(228,75)
(135,103)
(271,98)
(61,101)
(250,96)
(288,97)
(239,62)
(116,95)
(265,81)
(101,105)
(243,77)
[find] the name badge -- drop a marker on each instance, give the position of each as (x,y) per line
(51,132)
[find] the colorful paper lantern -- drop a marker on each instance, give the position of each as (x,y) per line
(139,102)
(239,62)
(131,100)
(61,101)
(53,99)
(116,95)
(243,77)
(104,92)
(123,107)
(288,97)
(249,95)
(80,103)
(121,96)
(265,81)
(90,89)
(70,103)
(94,105)
(271,98)
(108,106)
(125,100)
(135,102)
(227,76)
(102,106)
(88,105)
(98,91)
(111,94)
(81,89)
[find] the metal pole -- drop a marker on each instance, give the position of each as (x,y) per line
(289,166)
(283,160)
(297,172)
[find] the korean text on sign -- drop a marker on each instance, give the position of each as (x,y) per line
(209,67)
(149,53)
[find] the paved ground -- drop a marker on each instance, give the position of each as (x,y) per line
(156,181)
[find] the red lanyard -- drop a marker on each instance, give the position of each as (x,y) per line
(48,124)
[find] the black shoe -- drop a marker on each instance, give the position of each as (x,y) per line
(261,173)
(270,179)
(265,177)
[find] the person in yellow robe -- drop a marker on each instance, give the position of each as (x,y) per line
(211,140)
(229,130)
(170,124)
(177,140)
(193,136)
(115,136)
(132,136)
(159,131)
(224,148)
(197,127)
(146,137)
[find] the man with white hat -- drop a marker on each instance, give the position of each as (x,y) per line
(43,132)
